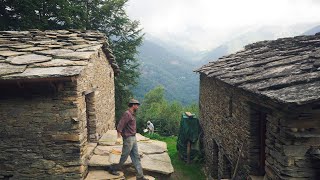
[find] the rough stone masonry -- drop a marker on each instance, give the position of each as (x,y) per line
(56,96)
(260,111)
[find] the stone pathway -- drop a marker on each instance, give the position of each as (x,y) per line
(154,158)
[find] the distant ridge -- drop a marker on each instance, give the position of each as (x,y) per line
(312,31)
(161,67)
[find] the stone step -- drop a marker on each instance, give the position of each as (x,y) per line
(159,163)
(146,176)
(103,175)
(154,156)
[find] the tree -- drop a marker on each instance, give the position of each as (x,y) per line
(124,36)
(107,16)
(164,115)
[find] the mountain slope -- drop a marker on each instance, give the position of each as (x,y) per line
(160,67)
(312,31)
(253,35)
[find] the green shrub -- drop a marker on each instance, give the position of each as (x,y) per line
(164,115)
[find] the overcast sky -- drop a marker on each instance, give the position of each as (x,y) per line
(220,17)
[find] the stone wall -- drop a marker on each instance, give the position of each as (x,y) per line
(293,144)
(233,120)
(39,139)
(96,83)
(223,115)
(43,125)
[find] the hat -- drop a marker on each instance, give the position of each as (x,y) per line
(134,101)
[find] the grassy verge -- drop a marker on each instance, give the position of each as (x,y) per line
(182,170)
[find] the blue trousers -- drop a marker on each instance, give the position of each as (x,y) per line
(130,147)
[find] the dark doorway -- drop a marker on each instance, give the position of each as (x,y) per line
(226,168)
(215,159)
(91,117)
(258,119)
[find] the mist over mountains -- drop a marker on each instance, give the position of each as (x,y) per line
(171,65)
(160,67)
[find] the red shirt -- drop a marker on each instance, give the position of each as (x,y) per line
(127,124)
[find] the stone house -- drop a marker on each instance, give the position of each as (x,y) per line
(56,98)
(260,111)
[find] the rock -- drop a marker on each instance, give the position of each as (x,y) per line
(102,175)
(75,47)
(146,176)
(28,59)
(294,129)
(89,151)
(11,53)
(160,163)
(105,150)
(291,150)
(77,55)
(159,143)
(91,48)
(109,138)
(53,46)
(6,69)
(59,63)
(21,46)
(66,36)
(43,164)
(31,49)
(47,72)
(43,42)
(66,137)
(141,138)
(98,160)
(150,148)
(55,52)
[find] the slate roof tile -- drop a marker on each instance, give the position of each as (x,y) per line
(286,69)
(52,53)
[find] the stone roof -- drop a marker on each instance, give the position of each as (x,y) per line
(45,54)
(287,69)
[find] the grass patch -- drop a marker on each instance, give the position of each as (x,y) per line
(182,170)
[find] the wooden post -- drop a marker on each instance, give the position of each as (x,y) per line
(188,152)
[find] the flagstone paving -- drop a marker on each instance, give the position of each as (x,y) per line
(153,153)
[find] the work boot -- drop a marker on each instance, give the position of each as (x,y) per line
(112,170)
(142,178)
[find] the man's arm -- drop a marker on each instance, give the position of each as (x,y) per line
(122,123)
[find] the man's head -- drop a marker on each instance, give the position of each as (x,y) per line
(134,104)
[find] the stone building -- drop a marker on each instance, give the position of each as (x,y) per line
(56,98)
(260,111)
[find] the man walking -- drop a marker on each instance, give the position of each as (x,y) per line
(127,129)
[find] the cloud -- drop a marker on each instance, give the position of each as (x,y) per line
(220,18)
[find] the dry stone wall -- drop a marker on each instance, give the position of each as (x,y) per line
(57,96)
(224,131)
(230,120)
(293,145)
(97,81)
(96,115)
(46,134)
(39,138)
